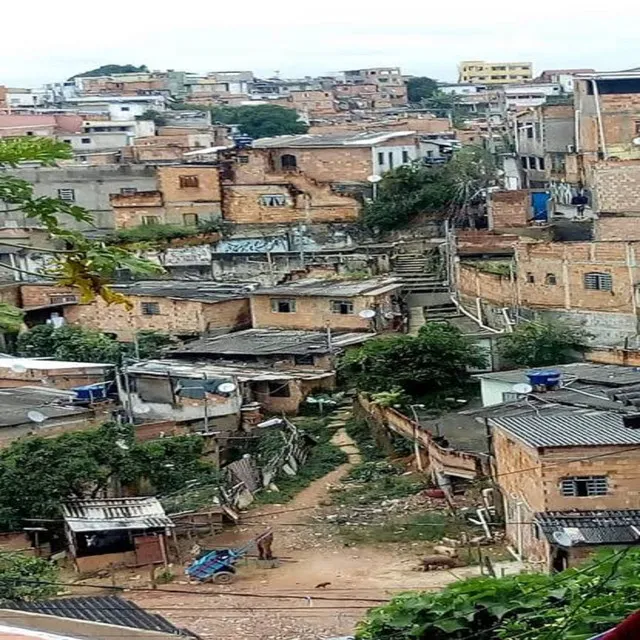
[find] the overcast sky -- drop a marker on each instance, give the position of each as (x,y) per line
(46,41)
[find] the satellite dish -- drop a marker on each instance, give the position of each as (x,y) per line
(16,367)
(562,538)
(367,314)
(374,178)
(227,387)
(522,388)
(636,142)
(36,416)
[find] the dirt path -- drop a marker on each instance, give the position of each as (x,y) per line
(285,603)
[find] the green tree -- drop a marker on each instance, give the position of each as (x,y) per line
(420,88)
(85,263)
(262,120)
(150,344)
(69,342)
(451,190)
(433,362)
(110,69)
(26,578)
(543,344)
(576,604)
(158,118)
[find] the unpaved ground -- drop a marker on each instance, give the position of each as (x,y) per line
(283,603)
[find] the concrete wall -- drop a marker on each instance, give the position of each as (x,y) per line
(92,187)
(492,391)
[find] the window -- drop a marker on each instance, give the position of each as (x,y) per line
(188,181)
(68,195)
(523,161)
(530,132)
(128,191)
(598,281)
(532,162)
(125,109)
(150,220)
(550,278)
(288,162)
(541,164)
(67,141)
(582,486)
(282,305)
(405,157)
(62,298)
(637,127)
(381,158)
(273,200)
(190,219)
(278,389)
(342,307)
(85,140)
(390,159)
(29,133)
(530,278)
(150,308)
(306,358)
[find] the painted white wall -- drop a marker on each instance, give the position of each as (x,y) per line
(126,110)
(393,157)
(492,391)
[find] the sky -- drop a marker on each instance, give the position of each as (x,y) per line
(51,41)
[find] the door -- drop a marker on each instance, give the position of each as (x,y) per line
(149,549)
(539,200)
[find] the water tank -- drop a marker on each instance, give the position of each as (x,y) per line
(544,379)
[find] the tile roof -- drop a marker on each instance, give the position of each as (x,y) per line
(558,426)
(264,342)
(324,288)
(111,610)
(620,526)
(110,514)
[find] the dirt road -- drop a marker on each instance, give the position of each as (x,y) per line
(284,603)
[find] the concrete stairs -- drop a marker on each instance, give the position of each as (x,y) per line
(413,271)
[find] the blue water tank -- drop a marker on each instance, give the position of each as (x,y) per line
(548,378)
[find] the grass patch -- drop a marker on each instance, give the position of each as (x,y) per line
(386,488)
(427,527)
(323,458)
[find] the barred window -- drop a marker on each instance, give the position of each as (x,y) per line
(342,307)
(150,308)
(582,486)
(598,281)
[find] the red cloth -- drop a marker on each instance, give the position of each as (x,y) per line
(628,629)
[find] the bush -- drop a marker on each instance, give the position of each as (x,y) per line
(26,578)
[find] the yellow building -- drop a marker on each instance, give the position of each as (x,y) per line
(478,72)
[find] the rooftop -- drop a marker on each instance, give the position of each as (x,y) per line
(345,139)
(592,527)
(265,342)
(21,365)
(554,425)
(204,370)
(110,514)
(111,610)
(338,288)
(203,290)
(17,403)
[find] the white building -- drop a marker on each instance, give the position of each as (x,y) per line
(529,95)
(119,107)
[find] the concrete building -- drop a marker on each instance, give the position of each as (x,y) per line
(491,73)
(314,304)
(179,308)
(521,96)
(388,80)
(88,186)
(122,108)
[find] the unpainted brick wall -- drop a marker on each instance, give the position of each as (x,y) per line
(208,189)
(616,187)
(509,209)
(38,295)
(499,289)
(617,228)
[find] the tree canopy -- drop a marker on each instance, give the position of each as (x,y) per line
(543,344)
(577,604)
(434,361)
(420,88)
(157,117)
(25,577)
(37,474)
(80,344)
(449,190)
(110,69)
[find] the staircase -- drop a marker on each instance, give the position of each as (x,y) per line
(413,271)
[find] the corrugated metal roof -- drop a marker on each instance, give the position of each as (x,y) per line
(620,526)
(114,514)
(346,139)
(555,426)
(324,288)
(111,610)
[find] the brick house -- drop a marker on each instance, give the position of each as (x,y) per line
(565,469)
(178,308)
(317,304)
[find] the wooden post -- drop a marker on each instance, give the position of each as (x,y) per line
(152,576)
